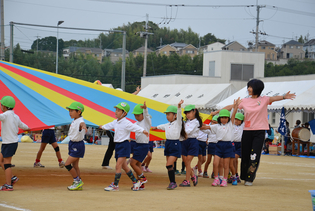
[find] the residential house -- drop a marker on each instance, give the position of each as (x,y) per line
(140,51)
(179,48)
(292,49)
(309,47)
(234,46)
(95,52)
(217,46)
(269,50)
(115,54)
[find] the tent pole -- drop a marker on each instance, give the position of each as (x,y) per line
(282,145)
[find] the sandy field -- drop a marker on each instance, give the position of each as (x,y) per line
(282,183)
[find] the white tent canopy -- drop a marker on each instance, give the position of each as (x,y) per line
(204,96)
(304,90)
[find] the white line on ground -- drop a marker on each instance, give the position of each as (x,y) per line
(12,207)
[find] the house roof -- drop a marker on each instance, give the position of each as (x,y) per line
(292,42)
(141,49)
(175,45)
(309,43)
(265,43)
(230,43)
(84,49)
(163,46)
(117,50)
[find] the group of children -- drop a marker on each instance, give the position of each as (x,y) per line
(185,137)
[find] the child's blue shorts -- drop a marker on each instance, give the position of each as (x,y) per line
(122,149)
(190,147)
(237,146)
(151,146)
(202,148)
(172,148)
(48,136)
(211,148)
(224,149)
(140,151)
(8,150)
(132,145)
(76,149)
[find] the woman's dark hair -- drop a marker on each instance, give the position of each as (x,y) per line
(219,120)
(183,132)
(197,116)
(257,86)
(298,122)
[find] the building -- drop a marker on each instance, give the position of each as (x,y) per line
(269,50)
(214,46)
(234,46)
(179,48)
(309,49)
(140,51)
(115,54)
(94,52)
(292,49)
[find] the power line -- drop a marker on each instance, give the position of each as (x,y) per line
(290,10)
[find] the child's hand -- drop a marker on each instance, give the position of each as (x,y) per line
(153,128)
(100,127)
(180,103)
(205,127)
(83,126)
(144,106)
(146,133)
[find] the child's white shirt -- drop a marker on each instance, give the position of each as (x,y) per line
(192,128)
(173,129)
(238,132)
(122,129)
(223,132)
(145,124)
(10,124)
(212,137)
(74,134)
(202,136)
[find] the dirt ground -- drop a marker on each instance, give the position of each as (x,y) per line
(282,183)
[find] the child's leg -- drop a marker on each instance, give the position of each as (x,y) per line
(76,167)
(70,168)
(122,161)
(189,171)
(200,161)
(136,166)
(7,170)
(40,151)
(183,163)
(226,163)
(236,163)
(170,160)
(148,159)
(216,163)
(207,163)
(232,167)
(56,148)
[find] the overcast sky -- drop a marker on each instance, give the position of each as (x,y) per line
(292,18)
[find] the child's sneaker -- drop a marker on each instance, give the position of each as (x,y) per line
(185,183)
(194,180)
(230,180)
(212,175)
(195,169)
(62,164)
(248,183)
(234,181)
(148,170)
(76,185)
(223,183)
(205,175)
(216,182)
(6,187)
(177,172)
(112,187)
(141,187)
(38,165)
(172,186)
(136,186)
(143,169)
(14,179)
(143,180)
(238,179)
(200,174)
(107,167)
(183,172)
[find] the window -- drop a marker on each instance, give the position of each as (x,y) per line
(272,48)
(189,51)
(273,56)
(307,117)
(298,47)
(268,56)
(242,72)
(291,46)
(263,47)
(273,118)
(212,68)
(164,52)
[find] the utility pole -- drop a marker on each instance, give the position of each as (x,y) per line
(2,57)
(123,68)
(37,42)
(11,42)
(257,24)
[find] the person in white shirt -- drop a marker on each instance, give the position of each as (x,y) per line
(142,141)
(174,132)
(10,124)
(123,127)
(76,147)
(190,146)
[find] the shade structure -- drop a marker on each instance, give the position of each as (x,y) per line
(42,97)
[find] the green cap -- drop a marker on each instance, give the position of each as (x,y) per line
(224,113)
(76,106)
(215,118)
(171,109)
(189,107)
(123,106)
(8,101)
(138,109)
(239,116)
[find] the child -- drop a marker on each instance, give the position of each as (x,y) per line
(122,127)
(10,124)
(224,148)
(142,142)
(76,147)
(212,140)
(202,141)
(48,137)
(190,146)
(238,132)
(174,130)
